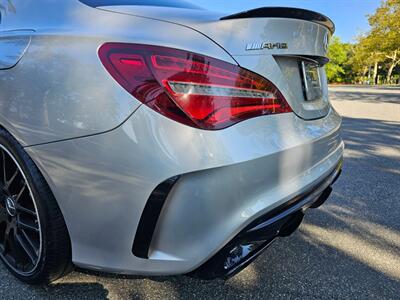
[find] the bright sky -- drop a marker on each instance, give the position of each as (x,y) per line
(348,15)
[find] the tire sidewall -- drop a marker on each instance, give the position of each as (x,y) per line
(31,172)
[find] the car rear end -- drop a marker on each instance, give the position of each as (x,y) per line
(220,158)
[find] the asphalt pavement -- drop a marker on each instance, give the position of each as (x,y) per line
(347,249)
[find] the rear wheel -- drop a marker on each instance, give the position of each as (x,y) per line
(34,242)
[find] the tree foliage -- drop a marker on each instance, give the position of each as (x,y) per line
(375,58)
(339,54)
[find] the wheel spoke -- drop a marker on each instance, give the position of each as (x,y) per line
(31,243)
(20,193)
(26,248)
(26,210)
(8,182)
(4,167)
(20,235)
(3,215)
(6,240)
(27,226)
(15,250)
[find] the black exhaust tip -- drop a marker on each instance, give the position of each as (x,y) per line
(290,226)
(321,199)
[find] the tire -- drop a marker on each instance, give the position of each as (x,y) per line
(34,240)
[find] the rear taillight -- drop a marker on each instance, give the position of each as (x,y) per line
(190,88)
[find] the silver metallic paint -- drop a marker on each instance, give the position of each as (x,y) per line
(13,45)
(103,153)
(303,38)
(273,157)
(286,76)
(53,93)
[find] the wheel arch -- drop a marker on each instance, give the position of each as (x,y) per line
(29,151)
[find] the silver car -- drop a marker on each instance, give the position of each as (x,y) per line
(156,137)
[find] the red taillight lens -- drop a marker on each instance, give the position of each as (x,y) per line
(190,88)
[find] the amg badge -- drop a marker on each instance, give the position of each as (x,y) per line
(260,46)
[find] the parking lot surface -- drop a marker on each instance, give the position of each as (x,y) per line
(349,248)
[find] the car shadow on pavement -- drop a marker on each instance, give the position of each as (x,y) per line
(92,290)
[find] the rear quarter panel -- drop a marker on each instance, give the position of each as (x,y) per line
(59,89)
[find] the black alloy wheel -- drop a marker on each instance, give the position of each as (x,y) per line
(20,232)
(34,241)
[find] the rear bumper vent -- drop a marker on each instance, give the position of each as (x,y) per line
(149,218)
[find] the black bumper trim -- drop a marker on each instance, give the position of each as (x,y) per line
(149,217)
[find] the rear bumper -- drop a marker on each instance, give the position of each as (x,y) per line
(228,179)
(256,237)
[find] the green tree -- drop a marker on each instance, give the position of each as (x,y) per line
(367,57)
(376,53)
(385,33)
(339,54)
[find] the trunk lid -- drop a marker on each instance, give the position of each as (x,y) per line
(285,45)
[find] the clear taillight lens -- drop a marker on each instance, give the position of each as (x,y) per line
(190,88)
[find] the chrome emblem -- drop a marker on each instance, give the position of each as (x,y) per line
(266,45)
(10,206)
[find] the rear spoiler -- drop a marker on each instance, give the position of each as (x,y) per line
(285,12)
